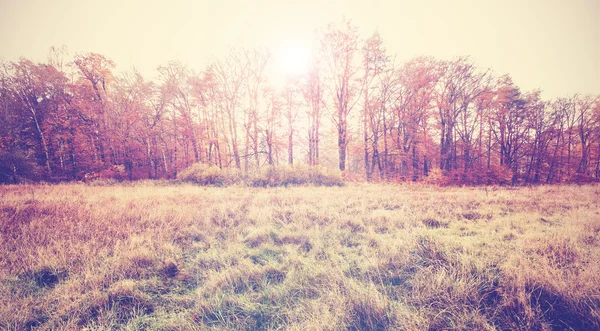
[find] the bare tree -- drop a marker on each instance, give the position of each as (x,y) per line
(257,61)
(230,75)
(340,45)
(290,95)
(312,91)
(460,85)
(374,62)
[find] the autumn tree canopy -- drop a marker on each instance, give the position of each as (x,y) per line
(355,109)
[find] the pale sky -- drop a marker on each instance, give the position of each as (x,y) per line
(552,45)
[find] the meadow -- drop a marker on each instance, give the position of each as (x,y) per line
(158,256)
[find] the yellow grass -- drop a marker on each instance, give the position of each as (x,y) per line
(360,257)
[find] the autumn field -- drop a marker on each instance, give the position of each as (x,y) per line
(158,256)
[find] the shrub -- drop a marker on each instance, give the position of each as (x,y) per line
(203,174)
(297,175)
(353,177)
(499,175)
(115,172)
(17,167)
(579,178)
(326,177)
(495,175)
(435,177)
(274,176)
(231,176)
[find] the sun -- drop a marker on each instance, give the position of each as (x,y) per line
(293,58)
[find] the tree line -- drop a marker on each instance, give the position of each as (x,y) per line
(356,108)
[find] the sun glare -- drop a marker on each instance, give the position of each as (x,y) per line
(293,58)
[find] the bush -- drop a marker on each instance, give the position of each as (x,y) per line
(298,175)
(499,175)
(17,167)
(435,177)
(115,172)
(579,178)
(203,174)
(495,175)
(326,177)
(231,176)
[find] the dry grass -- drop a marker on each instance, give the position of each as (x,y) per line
(360,257)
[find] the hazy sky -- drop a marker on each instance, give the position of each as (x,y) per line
(551,45)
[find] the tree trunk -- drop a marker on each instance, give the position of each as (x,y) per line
(342,135)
